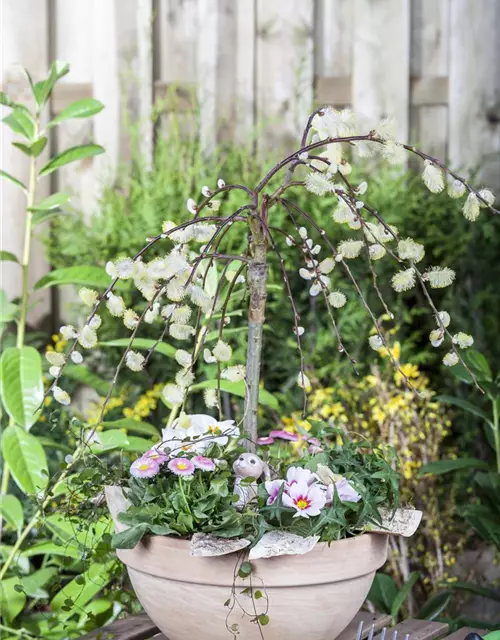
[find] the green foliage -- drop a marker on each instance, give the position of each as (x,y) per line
(21,384)
(26,459)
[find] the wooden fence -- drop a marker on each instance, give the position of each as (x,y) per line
(433,64)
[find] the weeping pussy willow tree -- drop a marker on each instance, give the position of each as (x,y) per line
(184,308)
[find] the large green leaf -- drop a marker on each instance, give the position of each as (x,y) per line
(22,562)
(33,149)
(84,276)
(435,605)
(94,580)
(51,202)
(21,384)
(67,550)
(88,378)
(83,108)
(7,176)
(7,256)
(77,531)
(26,459)
(132,425)
(109,440)
(33,584)
(466,406)
(445,466)
(21,122)
(128,538)
(476,589)
(11,510)
(403,593)
(382,592)
(143,344)
(71,155)
(237,389)
(11,601)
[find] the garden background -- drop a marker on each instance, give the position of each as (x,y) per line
(197,89)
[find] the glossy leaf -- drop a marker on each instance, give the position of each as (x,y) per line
(34,583)
(43,89)
(109,440)
(143,344)
(7,256)
(67,550)
(52,202)
(73,154)
(83,108)
(77,531)
(11,601)
(94,580)
(137,445)
(21,122)
(135,426)
(21,384)
(11,511)
(445,466)
(84,276)
(26,459)
(237,389)
(383,592)
(22,562)
(86,377)
(8,176)
(34,149)
(403,593)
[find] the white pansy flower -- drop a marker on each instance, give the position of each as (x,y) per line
(327,265)
(184,358)
(191,206)
(234,374)
(76,357)
(433,177)
(68,332)
(350,249)
(436,337)
(445,318)
(337,299)
(464,340)
(130,319)
(55,371)
(403,280)
(208,357)
(376,251)
(471,207)
(55,358)
(375,342)
(87,337)
(222,351)
(115,305)
(210,398)
(181,331)
(134,360)
(450,359)
(303,381)
(173,394)
(456,189)
(439,277)
(318,183)
(184,378)
(88,296)
(61,396)
(408,249)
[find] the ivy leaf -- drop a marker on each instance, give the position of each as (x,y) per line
(129,538)
(26,459)
(73,154)
(83,108)
(245,570)
(21,384)
(15,181)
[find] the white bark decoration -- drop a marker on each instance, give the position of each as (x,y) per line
(206,545)
(282,543)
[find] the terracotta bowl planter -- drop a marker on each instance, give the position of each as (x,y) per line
(313,596)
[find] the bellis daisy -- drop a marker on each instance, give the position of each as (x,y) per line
(144,468)
(205,464)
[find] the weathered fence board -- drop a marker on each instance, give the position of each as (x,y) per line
(243,63)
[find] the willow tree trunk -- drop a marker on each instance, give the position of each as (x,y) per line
(257,280)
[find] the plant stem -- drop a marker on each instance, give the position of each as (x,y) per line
(496,432)
(21,326)
(257,280)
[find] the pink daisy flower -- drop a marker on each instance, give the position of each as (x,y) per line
(182,466)
(306,500)
(273,488)
(284,435)
(155,454)
(296,475)
(346,492)
(205,464)
(265,440)
(144,468)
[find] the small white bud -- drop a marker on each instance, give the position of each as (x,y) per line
(303,233)
(375,342)
(76,357)
(220,183)
(450,359)
(205,191)
(191,206)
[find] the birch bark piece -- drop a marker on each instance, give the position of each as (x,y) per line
(117,503)
(205,545)
(282,543)
(403,522)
